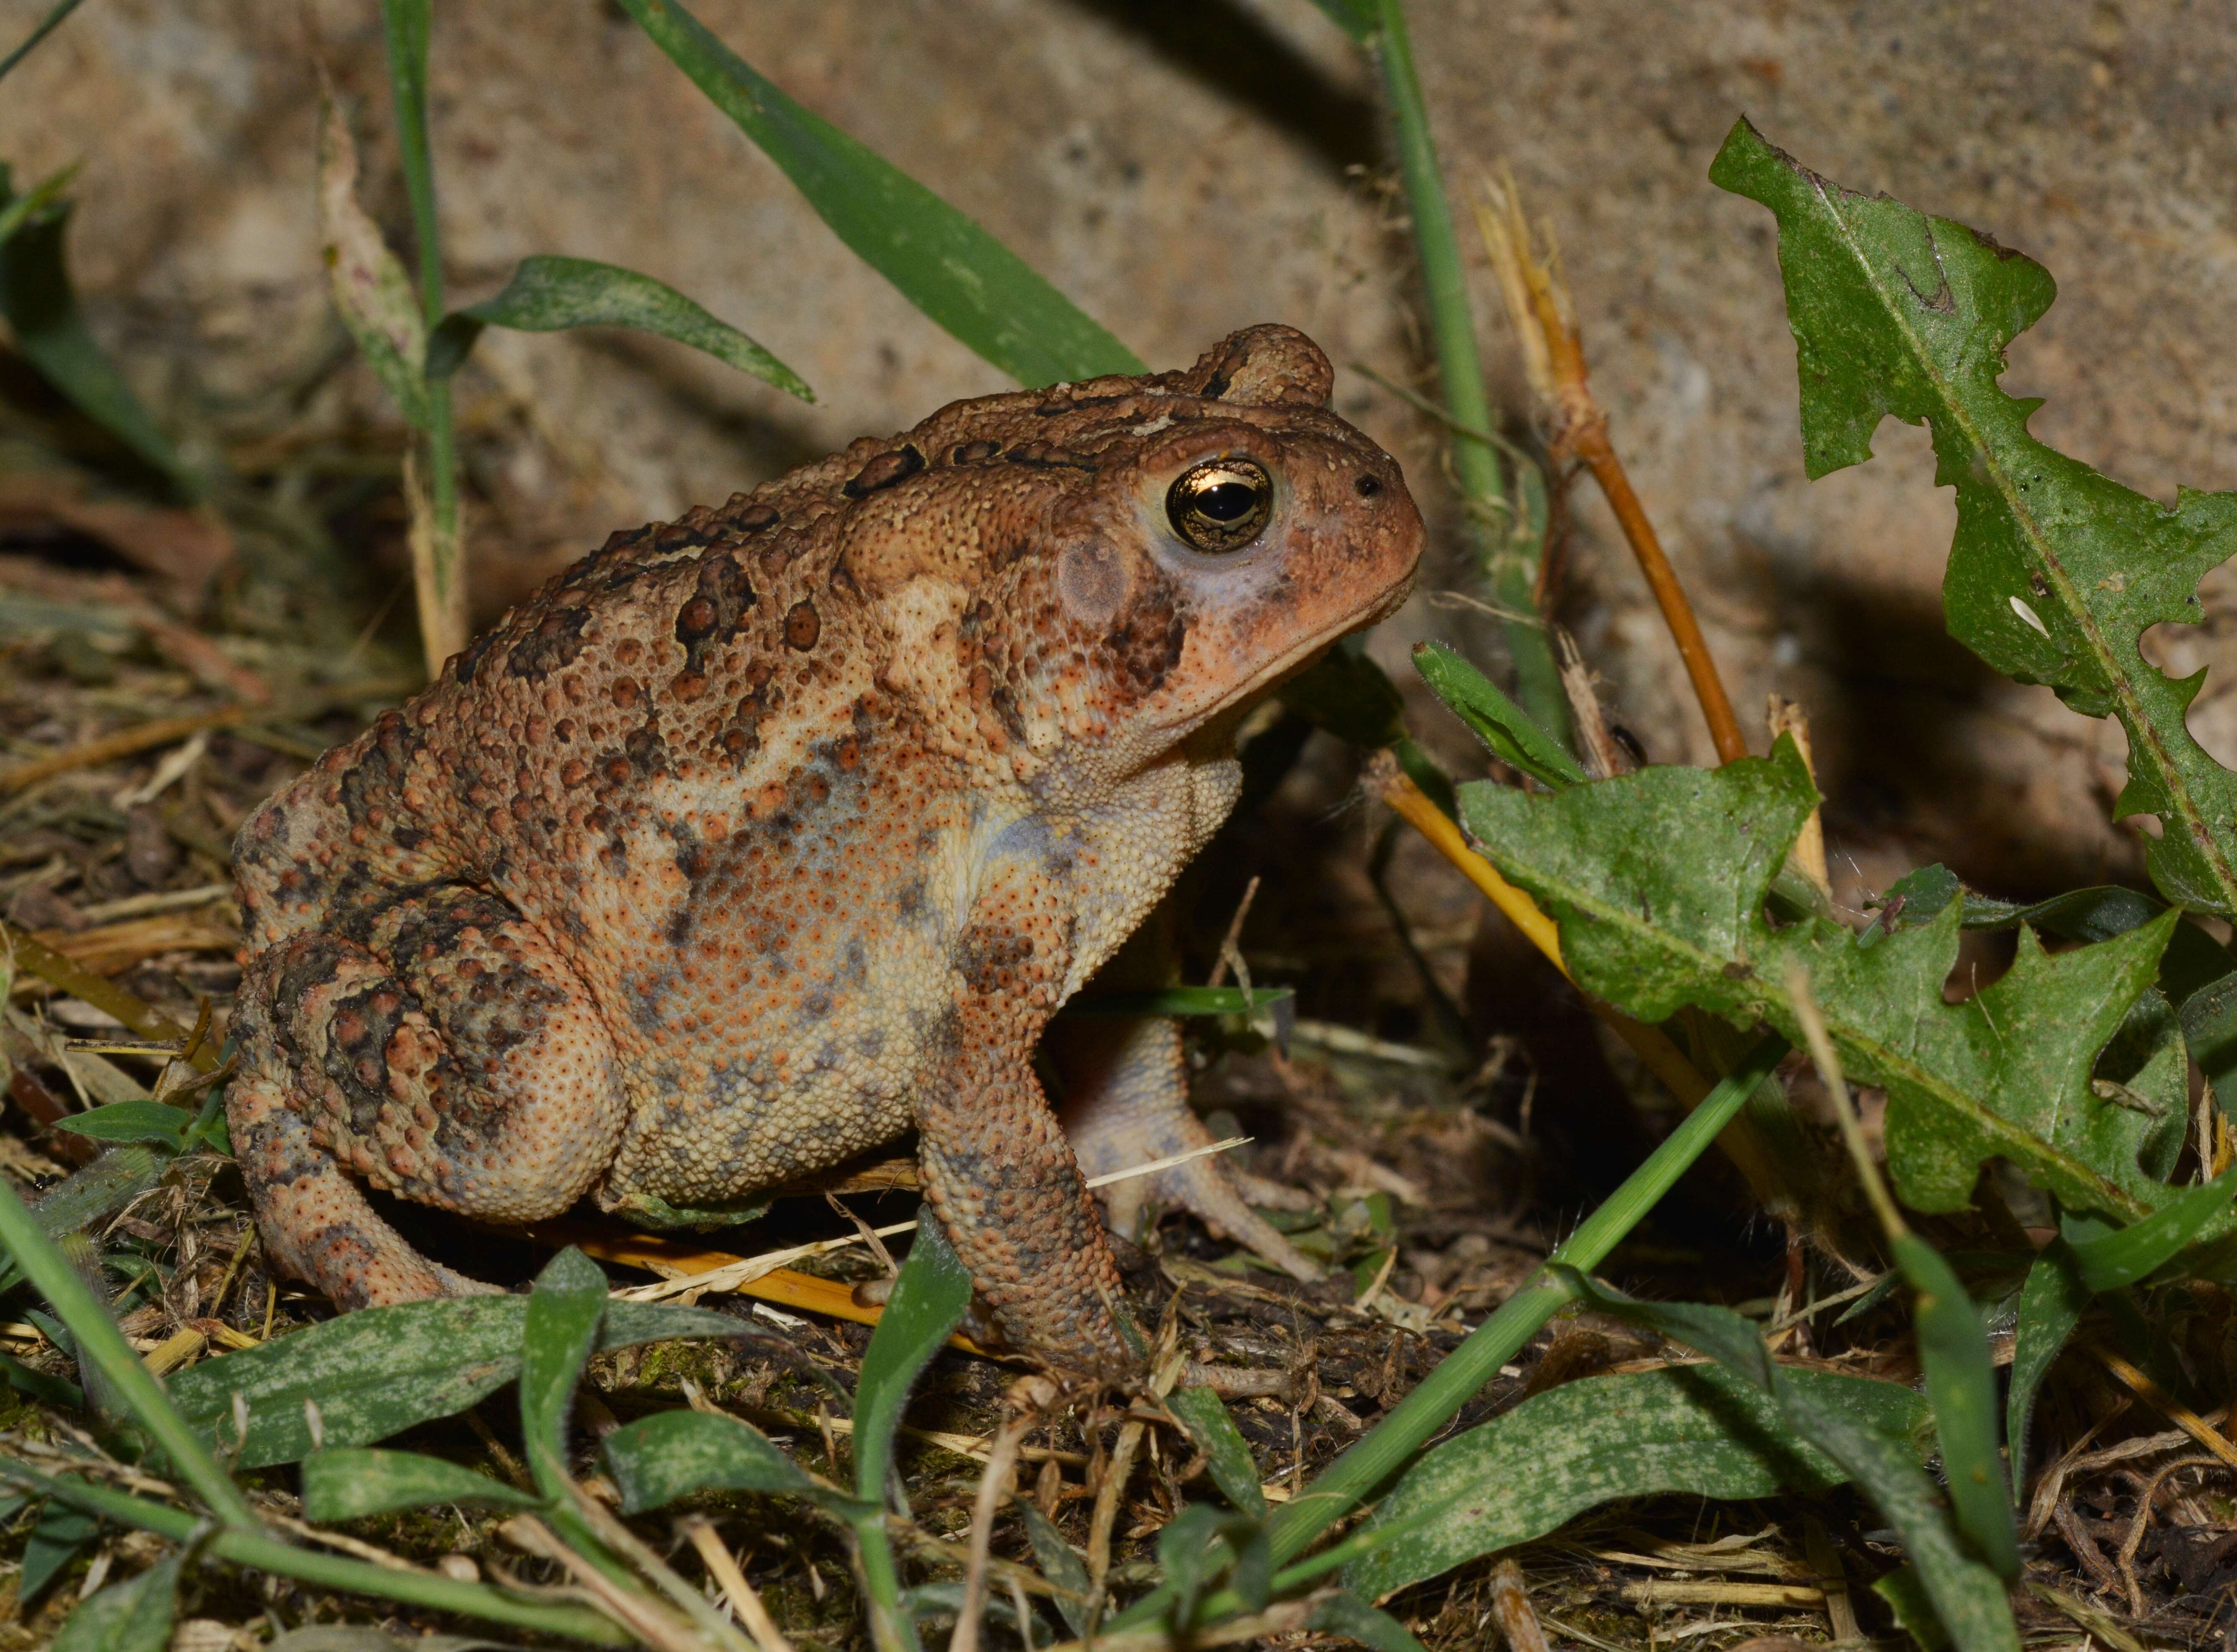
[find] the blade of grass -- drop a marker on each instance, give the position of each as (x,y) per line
(944,263)
(1452,329)
(1953,1347)
(929,1300)
(48,24)
(548,295)
(263,1552)
(41,305)
(443,600)
(104,1348)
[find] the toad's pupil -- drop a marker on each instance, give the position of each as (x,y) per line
(1227,501)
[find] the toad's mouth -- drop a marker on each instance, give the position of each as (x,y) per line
(1296,658)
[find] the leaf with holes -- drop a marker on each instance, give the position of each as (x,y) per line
(2056,573)
(1658,881)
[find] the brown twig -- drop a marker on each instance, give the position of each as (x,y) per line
(56,970)
(722,1566)
(2169,1407)
(1537,303)
(993,1491)
(123,743)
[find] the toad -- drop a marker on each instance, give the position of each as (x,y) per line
(760,838)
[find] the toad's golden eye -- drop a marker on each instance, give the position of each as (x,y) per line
(1221,504)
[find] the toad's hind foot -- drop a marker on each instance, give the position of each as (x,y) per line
(316,1223)
(1126,1104)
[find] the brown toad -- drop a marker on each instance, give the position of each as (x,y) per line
(757,839)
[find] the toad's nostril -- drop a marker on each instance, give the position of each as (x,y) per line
(1368,486)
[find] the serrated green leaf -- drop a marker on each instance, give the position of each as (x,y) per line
(379,1371)
(945,264)
(1493,718)
(1227,1458)
(135,1616)
(548,295)
(1658,881)
(557,1335)
(354,1483)
(1961,1385)
(1966,1594)
(40,306)
(2057,571)
(156,1122)
(657,1459)
(1700,1430)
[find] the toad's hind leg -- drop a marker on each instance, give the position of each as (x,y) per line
(449,1055)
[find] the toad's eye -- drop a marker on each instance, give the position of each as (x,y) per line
(1221,504)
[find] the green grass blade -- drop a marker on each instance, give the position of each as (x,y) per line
(1452,328)
(40,306)
(1227,1457)
(1348,1615)
(1059,1563)
(354,1483)
(547,294)
(2051,1304)
(156,1121)
(102,1347)
(1387,1447)
(60,1533)
(48,24)
(265,1553)
(929,1300)
(1183,1001)
(1355,17)
(1503,726)
(379,1371)
(657,1459)
(2130,1254)
(944,263)
(557,1335)
(1961,1385)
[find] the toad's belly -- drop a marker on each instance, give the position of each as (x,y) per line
(808,1068)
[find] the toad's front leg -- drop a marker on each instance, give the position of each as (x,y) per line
(994,1161)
